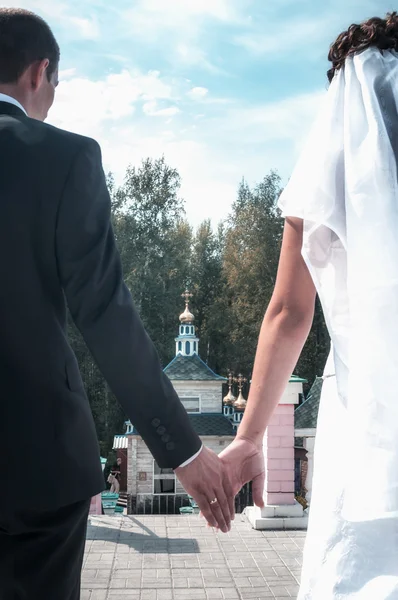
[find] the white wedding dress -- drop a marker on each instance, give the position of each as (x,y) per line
(345,188)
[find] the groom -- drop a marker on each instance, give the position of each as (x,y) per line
(56,248)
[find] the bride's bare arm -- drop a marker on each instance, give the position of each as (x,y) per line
(284,331)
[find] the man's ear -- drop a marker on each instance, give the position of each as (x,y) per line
(37,73)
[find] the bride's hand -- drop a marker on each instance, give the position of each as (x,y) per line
(243,461)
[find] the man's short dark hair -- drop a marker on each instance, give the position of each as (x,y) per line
(25,38)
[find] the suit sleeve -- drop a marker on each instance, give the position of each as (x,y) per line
(101,306)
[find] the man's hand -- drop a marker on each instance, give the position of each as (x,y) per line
(244,461)
(206,481)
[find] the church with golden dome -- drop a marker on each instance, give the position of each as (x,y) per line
(153,490)
(149,487)
(198,387)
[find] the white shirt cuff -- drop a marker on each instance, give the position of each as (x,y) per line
(184,464)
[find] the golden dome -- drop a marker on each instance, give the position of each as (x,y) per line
(187,317)
(229,398)
(240,403)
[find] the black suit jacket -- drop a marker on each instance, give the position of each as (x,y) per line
(57,248)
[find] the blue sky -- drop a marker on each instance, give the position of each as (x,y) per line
(222,88)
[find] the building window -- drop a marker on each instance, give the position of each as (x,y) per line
(191,405)
(179,346)
(194,347)
(187,348)
(164,480)
(186,329)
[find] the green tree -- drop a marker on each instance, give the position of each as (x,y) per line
(155,245)
(107,413)
(207,283)
(251,257)
(252,247)
(154,242)
(315,352)
(231,271)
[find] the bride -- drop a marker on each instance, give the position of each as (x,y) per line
(341,241)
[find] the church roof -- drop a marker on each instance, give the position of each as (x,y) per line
(211,424)
(190,368)
(306,415)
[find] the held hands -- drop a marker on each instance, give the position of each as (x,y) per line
(210,477)
(243,461)
(206,480)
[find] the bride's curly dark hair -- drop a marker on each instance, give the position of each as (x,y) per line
(380,33)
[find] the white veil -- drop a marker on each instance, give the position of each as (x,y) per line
(345,187)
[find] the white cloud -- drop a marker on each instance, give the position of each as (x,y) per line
(149,85)
(218,9)
(50,8)
(293,34)
(192,55)
(211,158)
(198,93)
(179,27)
(286,119)
(63,14)
(88,28)
(151,109)
(214,141)
(67,74)
(83,105)
(158,14)
(309,33)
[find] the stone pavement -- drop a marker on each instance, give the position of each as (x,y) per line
(179,558)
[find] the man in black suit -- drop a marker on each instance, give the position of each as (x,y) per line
(57,248)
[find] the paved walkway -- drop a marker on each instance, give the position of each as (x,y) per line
(179,558)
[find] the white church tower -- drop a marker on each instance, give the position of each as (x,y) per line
(187,344)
